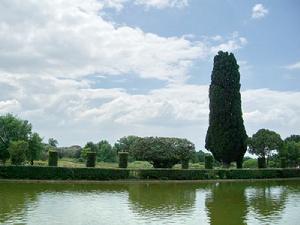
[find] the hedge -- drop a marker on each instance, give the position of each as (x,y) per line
(64,173)
(53,158)
(90,159)
(61,173)
(123,159)
(206,174)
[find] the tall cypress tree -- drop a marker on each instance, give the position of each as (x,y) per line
(226,135)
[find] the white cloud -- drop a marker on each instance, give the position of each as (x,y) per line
(295,66)
(75,112)
(160,4)
(70,39)
(259,11)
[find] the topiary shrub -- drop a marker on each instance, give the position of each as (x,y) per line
(185,164)
(53,158)
(261,162)
(209,161)
(123,159)
(90,159)
(283,162)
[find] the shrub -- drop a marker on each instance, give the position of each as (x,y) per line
(209,160)
(261,162)
(17,151)
(91,159)
(184,164)
(61,173)
(162,152)
(53,158)
(123,159)
(250,163)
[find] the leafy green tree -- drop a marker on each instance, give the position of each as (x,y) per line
(105,152)
(89,147)
(294,137)
(291,151)
(263,143)
(125,144)
(12,129)
(35,147)
(226,135)
(162,152)
(17,151)
(53,142)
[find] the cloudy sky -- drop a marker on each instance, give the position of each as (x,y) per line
(101,69)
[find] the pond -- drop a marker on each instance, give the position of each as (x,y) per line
(259,202)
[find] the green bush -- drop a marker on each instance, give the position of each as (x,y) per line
(282,162)
(185,164)
(90,159)
(17,151)
(53,158)
(209,161)
(123,159)
(61,173)
(261,162)
(250,163)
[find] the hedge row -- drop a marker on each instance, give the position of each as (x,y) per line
(64,173)
(61,173)
(170,174)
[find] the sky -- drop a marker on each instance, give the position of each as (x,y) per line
(102,69)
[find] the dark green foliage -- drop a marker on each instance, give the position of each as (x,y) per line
(263,142)
(123,159)
(294,138)
(283,162)
(171,174)
(105,152)
(17,151)
(226,135)
(125,144)
(261,162)
(12,129)
(162,152)
(53,142)
(209,161)
(53,158)
(185,164)
(291,151)
(35,147)
(198,157)
(61,173)
(91,159)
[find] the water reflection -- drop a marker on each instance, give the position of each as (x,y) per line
(226,204)
(150,203)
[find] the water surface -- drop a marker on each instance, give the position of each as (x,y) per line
(234,203)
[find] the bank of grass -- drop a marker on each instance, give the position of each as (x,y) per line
(80,173)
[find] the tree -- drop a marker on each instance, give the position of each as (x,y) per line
(35,147)
(162,152)
(17,151)
(294,137)
(53,142)
(12,129)
(226,135)
(89,147)
(125,144)
(263,142)
(105,152)
(291,151)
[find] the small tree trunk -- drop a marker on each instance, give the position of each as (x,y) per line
(31,162)
(239,164)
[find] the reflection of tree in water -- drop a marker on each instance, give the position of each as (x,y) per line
(162,198)
(16,198)
(13,200)
(267,199)
(226,204)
